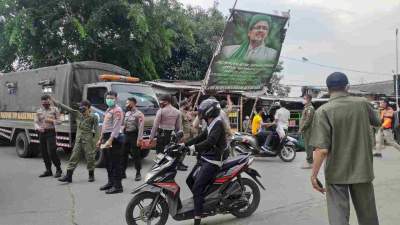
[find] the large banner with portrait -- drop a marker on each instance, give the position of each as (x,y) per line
(249,52)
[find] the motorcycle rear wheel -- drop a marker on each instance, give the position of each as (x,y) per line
(161,210)
(288,153)
(252,193)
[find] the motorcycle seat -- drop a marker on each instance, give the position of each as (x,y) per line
(233,161)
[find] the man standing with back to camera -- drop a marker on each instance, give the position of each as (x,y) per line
(341,135)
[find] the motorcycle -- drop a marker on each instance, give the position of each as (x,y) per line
(159,196)
(285,148)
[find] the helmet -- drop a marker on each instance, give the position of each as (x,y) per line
(209,108)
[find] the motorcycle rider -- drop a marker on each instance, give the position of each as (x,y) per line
(212,148)
(282,116)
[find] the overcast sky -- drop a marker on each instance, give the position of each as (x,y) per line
(354,34)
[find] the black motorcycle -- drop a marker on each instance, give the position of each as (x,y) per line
(159,197)
(285,148)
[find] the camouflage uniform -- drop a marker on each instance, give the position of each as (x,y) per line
(87,135)
(305,129)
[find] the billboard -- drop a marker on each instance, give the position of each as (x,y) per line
(249,51)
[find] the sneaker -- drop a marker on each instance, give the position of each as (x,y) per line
(138,177)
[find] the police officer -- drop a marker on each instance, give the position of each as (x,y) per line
(168,119)
(212,148)
(133,130)
(341,135)
(85,140)
(110,144)
(46,118)
(305,129)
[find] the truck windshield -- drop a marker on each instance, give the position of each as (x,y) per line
(145,97)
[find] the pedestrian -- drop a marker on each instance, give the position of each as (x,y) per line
(133,131)
(187,118)
(46,118)
(385,132)
(168,119)
(305,129)
(110,144)
(341,135)
(246,122)
(87,135)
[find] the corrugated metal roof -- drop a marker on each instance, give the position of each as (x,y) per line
(382,87)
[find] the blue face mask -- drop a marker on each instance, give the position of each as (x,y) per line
(110,102)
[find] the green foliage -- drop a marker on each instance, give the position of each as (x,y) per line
(143,36)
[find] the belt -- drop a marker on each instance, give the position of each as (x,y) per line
(49,129)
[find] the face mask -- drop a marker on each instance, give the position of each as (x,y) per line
(162,105)
(82,109)
(304,102)
(110,102)
(128,107)
(46,105)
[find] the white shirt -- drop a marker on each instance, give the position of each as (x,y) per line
(282,116)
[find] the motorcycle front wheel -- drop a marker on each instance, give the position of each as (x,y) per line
(252,193)
(138,210)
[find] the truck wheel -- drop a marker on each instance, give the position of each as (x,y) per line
(144,153)
(100,159)
(22,146)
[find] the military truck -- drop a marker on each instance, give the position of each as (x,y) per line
(20,94)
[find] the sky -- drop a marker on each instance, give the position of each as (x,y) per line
(350,34)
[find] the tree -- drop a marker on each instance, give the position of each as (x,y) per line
(137,35)
(275,87)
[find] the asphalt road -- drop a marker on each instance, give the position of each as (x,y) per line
(289,200)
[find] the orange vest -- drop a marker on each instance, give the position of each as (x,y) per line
(387,118)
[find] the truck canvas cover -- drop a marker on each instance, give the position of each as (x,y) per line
(21,91)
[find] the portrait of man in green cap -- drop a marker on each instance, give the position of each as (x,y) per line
(253,49)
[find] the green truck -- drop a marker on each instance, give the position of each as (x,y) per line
(20,94)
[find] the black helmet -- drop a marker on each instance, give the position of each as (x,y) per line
(209,108)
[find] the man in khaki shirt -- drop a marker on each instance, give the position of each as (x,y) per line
(341,135)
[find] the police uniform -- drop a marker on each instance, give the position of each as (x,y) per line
(342,126)
(87,134)
(113,119)
(133,131)
(167,119)
(47,138)
(305,129)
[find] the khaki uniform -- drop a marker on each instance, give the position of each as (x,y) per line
(305,129)
(47,138)
(87,134)
(167,119)
(342,126)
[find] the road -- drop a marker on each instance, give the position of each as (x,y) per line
(289,200)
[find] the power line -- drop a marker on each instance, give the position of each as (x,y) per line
(305,60)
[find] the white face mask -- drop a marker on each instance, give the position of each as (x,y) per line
(304,102)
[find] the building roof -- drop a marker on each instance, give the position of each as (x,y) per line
(377,88)
(176,84)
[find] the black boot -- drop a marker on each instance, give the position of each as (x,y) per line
(107,186)
(182,167)
(68,177)
(117,188)
(58,173)
(46,173)
(138,176)
(197,221)
(91,176)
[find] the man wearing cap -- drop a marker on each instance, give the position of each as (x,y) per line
(385,132)
(86,137)
(341,135)
(168,119)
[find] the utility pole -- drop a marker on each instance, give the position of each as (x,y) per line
(397,68)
